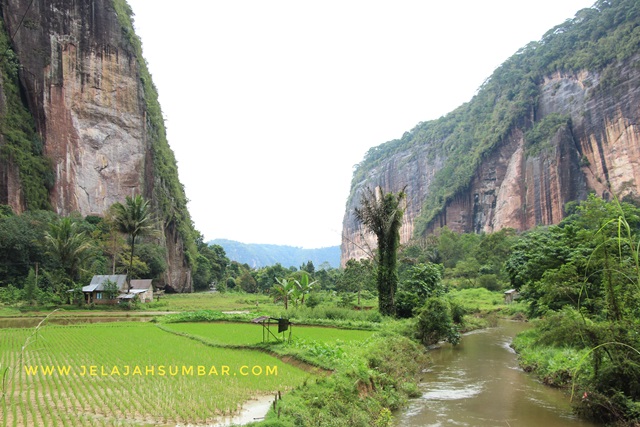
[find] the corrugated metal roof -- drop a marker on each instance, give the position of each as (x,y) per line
(98,281)
(141,284)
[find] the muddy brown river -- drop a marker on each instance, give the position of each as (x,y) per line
(479,384)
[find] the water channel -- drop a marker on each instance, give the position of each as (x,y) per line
(31,322)
(478,384)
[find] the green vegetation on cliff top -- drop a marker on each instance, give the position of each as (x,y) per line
(168,195)
(596,39)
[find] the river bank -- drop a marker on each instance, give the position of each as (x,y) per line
(479,384)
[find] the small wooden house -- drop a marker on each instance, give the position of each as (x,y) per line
(142,288)
(97,291)
(510,296)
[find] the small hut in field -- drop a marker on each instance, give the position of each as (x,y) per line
(510,296)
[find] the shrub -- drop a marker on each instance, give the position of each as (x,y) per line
(435,323)
(313,300)
(10,295)
(406,303)
(489,281)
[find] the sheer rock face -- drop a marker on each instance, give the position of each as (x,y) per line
(82,84)
(515,187)
(83,89)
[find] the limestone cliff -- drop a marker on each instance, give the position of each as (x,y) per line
(538,135)
(84,81)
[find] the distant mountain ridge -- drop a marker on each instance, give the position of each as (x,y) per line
(262,255)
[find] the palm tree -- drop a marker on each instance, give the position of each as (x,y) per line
(133,218)
(70,247)
(381,214)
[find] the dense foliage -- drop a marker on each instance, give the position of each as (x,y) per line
(21,147)
(596,39)
(168,193)
(43,256)
(583,277)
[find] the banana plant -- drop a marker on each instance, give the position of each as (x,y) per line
(283,290)
(304,286)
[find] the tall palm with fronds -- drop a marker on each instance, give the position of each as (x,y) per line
(381,214)
(69,246)
(134,219)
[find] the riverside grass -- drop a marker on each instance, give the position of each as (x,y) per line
(107,399)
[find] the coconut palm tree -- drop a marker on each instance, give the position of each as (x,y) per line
(381,214)
(70,247)
(134,219)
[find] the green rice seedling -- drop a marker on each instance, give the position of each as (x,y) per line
(247,334)
(188,397)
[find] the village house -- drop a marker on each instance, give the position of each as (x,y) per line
(510,296)
(140,287)
(99,292)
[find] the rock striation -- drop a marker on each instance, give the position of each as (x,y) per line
(81,79)
(514,185)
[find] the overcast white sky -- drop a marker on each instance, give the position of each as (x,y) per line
(270,104)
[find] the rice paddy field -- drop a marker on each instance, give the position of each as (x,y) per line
(131,374)
(212,301)
(250,334)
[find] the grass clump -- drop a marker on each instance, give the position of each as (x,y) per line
(367,385)
(554,365)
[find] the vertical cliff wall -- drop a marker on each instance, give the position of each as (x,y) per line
(548,128)
(519,186)
(85,83)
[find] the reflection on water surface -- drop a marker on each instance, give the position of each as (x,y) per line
(479,384)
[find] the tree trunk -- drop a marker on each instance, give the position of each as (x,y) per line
(130,266)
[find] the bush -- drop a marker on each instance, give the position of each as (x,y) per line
(346,299)
(489,281)
(367,385)
(313,300)
(406,303)
(457,312)
(10,295)
(435,323)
